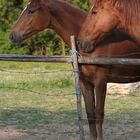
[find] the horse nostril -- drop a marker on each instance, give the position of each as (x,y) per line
(12,38)
(78,42)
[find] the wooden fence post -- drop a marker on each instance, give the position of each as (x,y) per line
(78,90)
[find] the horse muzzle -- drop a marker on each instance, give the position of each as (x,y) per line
(15,37)
(85,46)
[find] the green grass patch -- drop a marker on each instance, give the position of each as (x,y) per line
(42,96)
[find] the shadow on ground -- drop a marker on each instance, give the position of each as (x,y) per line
(36,124)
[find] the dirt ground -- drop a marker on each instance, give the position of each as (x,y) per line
(15,135)
(118,132)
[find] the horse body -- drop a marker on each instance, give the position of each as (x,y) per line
(91,76)
(107,15)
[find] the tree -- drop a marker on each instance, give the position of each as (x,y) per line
(9,12)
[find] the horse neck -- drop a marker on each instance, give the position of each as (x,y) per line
(134,31)
(129,17)
(66,20)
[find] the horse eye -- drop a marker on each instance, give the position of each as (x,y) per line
(30,12)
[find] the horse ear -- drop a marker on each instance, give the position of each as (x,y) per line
(34,5)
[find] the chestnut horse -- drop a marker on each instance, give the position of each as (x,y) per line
(107,15)
(67,20)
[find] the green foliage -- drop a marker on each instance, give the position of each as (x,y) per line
(7,47)
(47,41)
(84,4)
(10,11)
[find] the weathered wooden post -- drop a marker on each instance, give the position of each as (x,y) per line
(78,90)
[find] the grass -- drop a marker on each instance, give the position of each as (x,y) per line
(36,95)
(123,118)
(35,76)
(41,96)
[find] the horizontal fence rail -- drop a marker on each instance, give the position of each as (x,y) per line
(64,59)
(33,58)
(109,61)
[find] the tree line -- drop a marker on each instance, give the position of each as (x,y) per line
(46,42)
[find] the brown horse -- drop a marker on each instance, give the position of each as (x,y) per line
(107,15)
(61,16)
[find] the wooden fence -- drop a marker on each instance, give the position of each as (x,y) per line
(61,59)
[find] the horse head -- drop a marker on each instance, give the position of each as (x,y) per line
(31,21)
(98,24)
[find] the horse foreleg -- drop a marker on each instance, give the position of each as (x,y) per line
(88,94)
(100,103)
